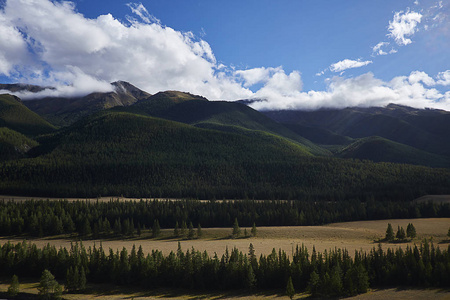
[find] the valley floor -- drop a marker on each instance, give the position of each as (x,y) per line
(349,235)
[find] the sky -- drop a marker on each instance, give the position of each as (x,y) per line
(286,54)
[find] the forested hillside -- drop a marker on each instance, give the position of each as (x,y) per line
(175,144)
(117,153)
(416,136)
(16,116)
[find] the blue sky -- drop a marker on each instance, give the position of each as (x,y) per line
(292,54)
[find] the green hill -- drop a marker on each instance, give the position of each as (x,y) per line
(379,149)
(198,111)
(16,116)
(117,153)
(424,129)
(14,145)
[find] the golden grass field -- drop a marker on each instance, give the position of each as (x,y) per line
(350,235)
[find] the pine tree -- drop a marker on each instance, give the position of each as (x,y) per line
(236,230)
(400,233)
(253,229)
(156,230)
(290,291)
(191,233)
(448,233)
(48,286)
(183,228)
(250,278)
(13,289)
(389,233)
(199,231)
(411,231)
(176,230)
(82,279)
(314,283)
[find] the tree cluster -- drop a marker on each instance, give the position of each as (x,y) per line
(128,218)
(331,273)
(401,235)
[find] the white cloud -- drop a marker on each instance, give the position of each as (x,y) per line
(348,64)
(50,44)
(417,76)
(444,78)
(404,25)
(47,40)
(377,49)
(141,11)
(365,91)
(253,76)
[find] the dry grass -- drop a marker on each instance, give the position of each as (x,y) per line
(351,235)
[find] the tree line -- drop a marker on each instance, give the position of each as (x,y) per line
(331,273)
(126,218)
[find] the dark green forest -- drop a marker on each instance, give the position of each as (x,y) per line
(127,218)
(137,156)
(332,273)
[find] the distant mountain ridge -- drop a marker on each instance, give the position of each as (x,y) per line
(427,130)
(399,133)
(64,111)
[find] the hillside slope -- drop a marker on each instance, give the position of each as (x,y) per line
(378,149)
(424,129)
(63,111)
(117,153)
(16,116)
(198,111)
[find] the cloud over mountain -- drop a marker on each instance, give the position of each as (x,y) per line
(51,44)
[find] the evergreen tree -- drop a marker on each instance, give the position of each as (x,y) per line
(400,233)
(250,278)
(314,283)
(86,229)
(290,291)
(176,230)
(236,229)
(199,231)
(70,280)
(362,279)
(191,233)
(138,229)
(183,228)
(254,229)
(13,289)
(156,230)
(389,233)
(48,286)
(82,279)
(448,233)
(411,231)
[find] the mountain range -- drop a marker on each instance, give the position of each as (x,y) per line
(181,145)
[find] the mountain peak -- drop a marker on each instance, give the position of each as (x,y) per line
(177,96)
(126,88)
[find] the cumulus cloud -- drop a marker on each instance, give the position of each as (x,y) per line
(48,40)
(444,78)
(254,76)
(365,90)
(348,64)
(404,25)
(51,44)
